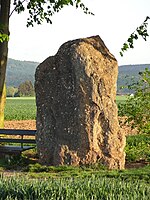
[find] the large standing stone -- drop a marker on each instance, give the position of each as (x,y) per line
(77,119)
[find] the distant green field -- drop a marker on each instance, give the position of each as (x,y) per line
(21,108)
(24,108)
(121,99)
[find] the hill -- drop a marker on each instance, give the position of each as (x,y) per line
(128,74)
(20,71)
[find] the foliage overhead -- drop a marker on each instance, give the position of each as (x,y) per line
(140,31)
(43,10)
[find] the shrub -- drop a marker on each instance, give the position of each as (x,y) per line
(11,91)
(137,107)
(25,89)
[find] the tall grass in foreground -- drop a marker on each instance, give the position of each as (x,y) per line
(90,188)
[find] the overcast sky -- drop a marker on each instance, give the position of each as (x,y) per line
(114,21)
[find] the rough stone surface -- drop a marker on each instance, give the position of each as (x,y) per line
(77,120)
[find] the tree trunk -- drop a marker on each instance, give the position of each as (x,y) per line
(4,22)
(2,106)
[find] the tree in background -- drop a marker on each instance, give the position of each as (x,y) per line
(39,10)
(25,89)
(11,91)
(137,107)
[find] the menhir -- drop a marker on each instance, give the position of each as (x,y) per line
(77,120)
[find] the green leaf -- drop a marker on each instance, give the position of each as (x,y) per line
(3,37)
(141,31)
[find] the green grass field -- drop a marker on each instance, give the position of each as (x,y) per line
(24,108)
(121,99)
(21,108)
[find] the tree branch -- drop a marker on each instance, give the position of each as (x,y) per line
(16,7)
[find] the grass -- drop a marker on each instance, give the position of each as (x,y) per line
(27,166)
(67,182)
(22,108)
(121,99)
(89,188)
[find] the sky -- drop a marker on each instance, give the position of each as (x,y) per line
(113,21)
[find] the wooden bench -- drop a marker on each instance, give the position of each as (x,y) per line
(9,139)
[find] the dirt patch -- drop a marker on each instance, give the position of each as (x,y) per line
(23,124)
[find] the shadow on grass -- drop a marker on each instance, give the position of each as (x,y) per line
(27,165)
(137,164)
